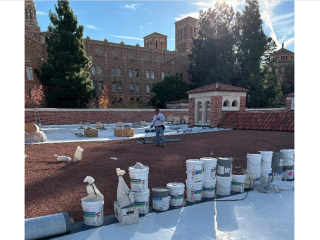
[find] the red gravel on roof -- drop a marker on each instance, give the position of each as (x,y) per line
(218,87)
(272,121)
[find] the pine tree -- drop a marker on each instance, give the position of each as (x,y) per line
(212,54)
(63,73)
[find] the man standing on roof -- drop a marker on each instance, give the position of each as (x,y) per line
(157,122)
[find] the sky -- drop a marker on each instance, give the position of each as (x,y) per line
(130,21)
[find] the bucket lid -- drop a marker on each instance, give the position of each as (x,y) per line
(194,161)
(208,160)
(268,152)
(253,154)
(287,150)
(194,183)
(225,158)
(160,192)
(175,185)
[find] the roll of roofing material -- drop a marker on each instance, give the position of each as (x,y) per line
(46,226)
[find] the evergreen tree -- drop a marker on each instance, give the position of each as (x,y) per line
(170,89)
(212,55)
(287,73)
(63,73)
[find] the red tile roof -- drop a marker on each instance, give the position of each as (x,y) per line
(272,121)
(218,87)
(290,95)
(179,101)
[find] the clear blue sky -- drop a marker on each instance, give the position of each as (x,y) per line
(130,21)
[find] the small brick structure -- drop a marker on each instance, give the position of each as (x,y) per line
(290,102)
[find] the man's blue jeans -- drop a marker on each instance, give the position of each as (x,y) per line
(159,130)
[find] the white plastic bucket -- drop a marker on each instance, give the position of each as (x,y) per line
(277,176)
(139,179)
(254,178)
(194,170)
(194,191)
(224,185)
(237,183)
(264,175)
(266,159)
(92,212)
(209,188)
(253,162)
(287,175)
(287,157)
(141,200)
(176,193)
(209,168)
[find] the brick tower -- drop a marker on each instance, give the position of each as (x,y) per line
(156,41)
(185,30)
(31,23)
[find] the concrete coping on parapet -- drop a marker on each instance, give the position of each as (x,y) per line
(102,110)
(265,109)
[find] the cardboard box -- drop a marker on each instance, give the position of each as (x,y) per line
(91,132)
(126,215)
(143,123)
(119,132)
(130,132)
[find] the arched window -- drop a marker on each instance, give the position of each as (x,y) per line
(168,74)
(181,76)
(136,73)
(152,74)
(177,74)
(130,73)
(156,44)
(234,103)
(226,103)
(26,14)
(162,75)
(147,74)
(112,71)
(99,70)
(191,32)
(93,70)
(119,72)
(291,58)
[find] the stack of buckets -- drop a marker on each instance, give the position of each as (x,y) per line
(277,165)
(266,161)
(139,187)
(288,164)
(194,180)
(254,168)
(209,177)
(224,175)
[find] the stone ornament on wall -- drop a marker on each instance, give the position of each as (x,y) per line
(97,51)
(130,55)
(158,59)
(114,53)
(145,57)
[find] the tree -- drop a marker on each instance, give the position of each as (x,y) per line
(170,89)
(63,72)
(212,55)
(287,74)
(36,96)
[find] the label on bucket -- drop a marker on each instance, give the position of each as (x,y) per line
(92,219)
(208,189)
(138,185)
(220,169)
(143,207)
(176,197)
(213,173)
(237,187)
(196,175)
(281,163)
(160,204)
(196,195)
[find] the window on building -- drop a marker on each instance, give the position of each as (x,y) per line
(168,74)
(181,76)
(162,75)
(152,85)
(147,74)
(291,58)
(136,73)
(95,85)
(137,87)
(29,73)
(119,72)
(93,70)
(130,73)
(234,103)
(148,88)
(119,87)
(100,86)
(99,70)
(226,103)
(177,74)
(148,100)
(112,71)
(131,87)
(114,87)
(152,74)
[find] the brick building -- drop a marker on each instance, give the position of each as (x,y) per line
(283,57)
(128,70)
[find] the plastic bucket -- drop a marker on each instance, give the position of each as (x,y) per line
(253,162)
(92,212)
(194,191)
(176,194)
(288,175)
(141,200)
(160,199)
(287,157)
(209,168)
(277,159)
(277,176)
(254,178)
(266,159)
(224,166)
(224,185)
(237,183)
(264,175)
(209,188)
(139,179)
(194,170)
(277,169)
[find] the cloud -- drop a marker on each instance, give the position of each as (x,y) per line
(126,37)
(141,27)
(183,15)
(132,6)
(150,23)
(207,4)
(148,10)
(92,27)
(42,13)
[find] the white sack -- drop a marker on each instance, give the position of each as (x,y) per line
(92,190)
(78,154)
(62,158)
(124,194)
